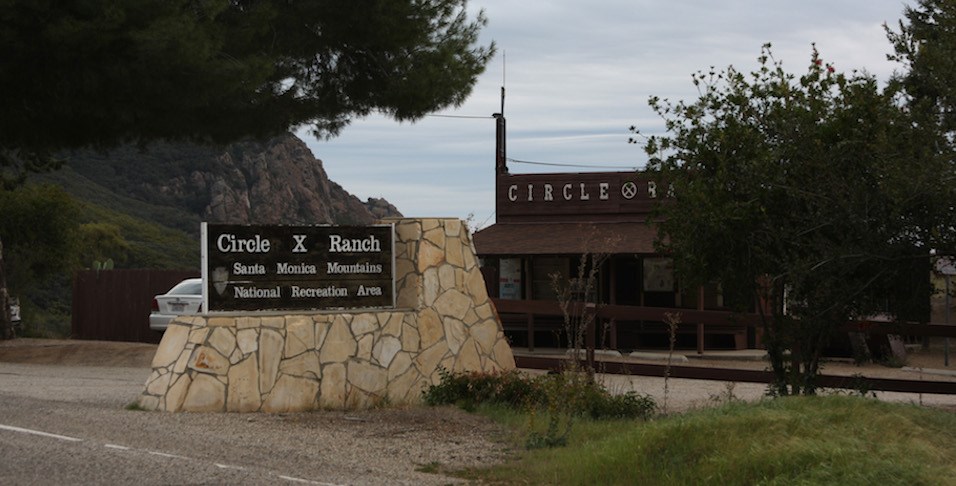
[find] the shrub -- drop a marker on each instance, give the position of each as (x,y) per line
(567,393)
(470,389)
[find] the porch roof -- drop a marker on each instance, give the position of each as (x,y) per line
(557,238)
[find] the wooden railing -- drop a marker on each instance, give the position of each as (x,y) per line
(706,321)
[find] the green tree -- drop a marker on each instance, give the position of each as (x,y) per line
(926,46)
(39,230)
(814,194)
(102,72)
(99,242)
(37,241)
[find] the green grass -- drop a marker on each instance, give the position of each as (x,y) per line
(800,440)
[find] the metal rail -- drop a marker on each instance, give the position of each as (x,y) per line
(745,376)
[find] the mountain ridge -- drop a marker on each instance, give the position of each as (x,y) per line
(277,181)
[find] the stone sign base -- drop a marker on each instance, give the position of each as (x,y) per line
(444,319)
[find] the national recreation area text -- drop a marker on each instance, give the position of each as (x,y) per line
(267,268)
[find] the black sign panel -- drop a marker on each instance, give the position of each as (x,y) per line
(264,268)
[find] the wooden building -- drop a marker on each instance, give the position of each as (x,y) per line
(546,223)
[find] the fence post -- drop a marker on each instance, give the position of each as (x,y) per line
(590,314)
(6,322)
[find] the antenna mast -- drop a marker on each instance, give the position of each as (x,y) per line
(501,161)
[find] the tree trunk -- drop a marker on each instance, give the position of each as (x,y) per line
(6,322)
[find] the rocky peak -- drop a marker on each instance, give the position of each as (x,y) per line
(277,181)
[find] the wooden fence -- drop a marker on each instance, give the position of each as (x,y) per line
(530,316)
(114,305)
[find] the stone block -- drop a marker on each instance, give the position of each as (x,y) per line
(411,340)
(430,328)
(291,394)
(150,402)
(207,360)
(177,393)
(333,392)
(221,322)
(430,224)
(399,365)
(469,255)
(427,361)
(248,322)
(503,357)
(475,286)
(429,256)
(222,340)
(159,384)
(453,253)
(339,344)
(455,333)
(400,387)
(367,377)
(364,323)
(446,277)
(300,336)
(453,303)
(305,365)
(485,334)
(270,354)
(364,351)
(469,359)
(205,394)
(170,347)
(408,231)
(247,340)
(243,387)
(431,286)
(385,350)
(275,322)
(435,236)
(453,228)
(198,335)
(393,323)
(321,331)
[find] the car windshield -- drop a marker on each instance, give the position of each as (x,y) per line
(187,287)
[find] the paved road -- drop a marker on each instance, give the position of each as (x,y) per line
(69,425)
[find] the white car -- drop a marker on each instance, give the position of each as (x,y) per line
(183,299)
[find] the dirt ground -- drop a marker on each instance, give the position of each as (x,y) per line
(75,352)
(929,362)
(920,364)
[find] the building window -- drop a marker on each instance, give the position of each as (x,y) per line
(545,271)
(509,279)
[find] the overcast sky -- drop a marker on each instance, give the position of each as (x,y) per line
(577,76)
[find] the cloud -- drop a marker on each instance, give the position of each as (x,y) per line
(577,75)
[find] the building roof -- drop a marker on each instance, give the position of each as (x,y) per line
(557,238)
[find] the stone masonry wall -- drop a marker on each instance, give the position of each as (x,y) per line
(443,319)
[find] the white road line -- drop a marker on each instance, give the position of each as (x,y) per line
(37,432)
(299,480)
(164,454)
(155,453)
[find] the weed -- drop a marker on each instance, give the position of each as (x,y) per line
(430,468)
(673,320)
(561,398)
(728,395)
(135,406)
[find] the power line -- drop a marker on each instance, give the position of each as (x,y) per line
(582,166)
(460,116)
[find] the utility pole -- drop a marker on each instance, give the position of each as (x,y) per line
(6,322)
